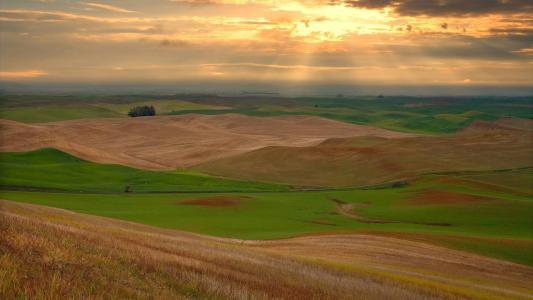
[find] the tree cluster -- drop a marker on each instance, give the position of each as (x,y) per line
(140,111)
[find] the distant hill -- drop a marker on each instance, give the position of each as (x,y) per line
(506,143)
(170,142)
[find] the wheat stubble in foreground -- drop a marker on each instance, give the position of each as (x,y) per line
(56,254)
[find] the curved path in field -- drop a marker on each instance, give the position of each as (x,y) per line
(169,142)
(348,210)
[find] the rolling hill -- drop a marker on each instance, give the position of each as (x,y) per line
(169,142)
(52,170)
(53,253)
(359,161)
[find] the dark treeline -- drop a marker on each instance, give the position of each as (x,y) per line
(139,111)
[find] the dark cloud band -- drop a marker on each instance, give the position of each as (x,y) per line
(445,7)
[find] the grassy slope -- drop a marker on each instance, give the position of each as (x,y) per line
(54,170)
(500,227)
(54,254)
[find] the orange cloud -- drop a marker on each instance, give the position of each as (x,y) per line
(26,74)
(108,7)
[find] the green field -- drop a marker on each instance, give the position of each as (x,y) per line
(409,114)
(25,111)
(51,113)
(53,170)
(161,106)
(487,218)
(486,228)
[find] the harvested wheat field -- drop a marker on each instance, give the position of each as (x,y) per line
(358,161)
(168,142)
(56,254)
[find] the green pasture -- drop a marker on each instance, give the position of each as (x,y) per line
(500,226)
(161,106)
(410,114)
(53,170)
(52,113)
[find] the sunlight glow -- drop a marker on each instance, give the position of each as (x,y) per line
(377,44)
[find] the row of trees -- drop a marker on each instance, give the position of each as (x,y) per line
(140,111)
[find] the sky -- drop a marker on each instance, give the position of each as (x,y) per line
(345,42)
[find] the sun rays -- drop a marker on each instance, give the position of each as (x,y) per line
(314,41)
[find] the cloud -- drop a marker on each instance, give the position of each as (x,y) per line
(525,51)
(173,43)
(282,67)
(195,2)
(513,31)
(24,15)
(108,7)
(444,7)
(370,4)
(456,47)
(27,74)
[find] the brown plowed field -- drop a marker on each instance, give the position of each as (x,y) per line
(169,142)
(443,197)
(217,201)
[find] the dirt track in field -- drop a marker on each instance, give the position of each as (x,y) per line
(60,254)
(349,210)
(168,142)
